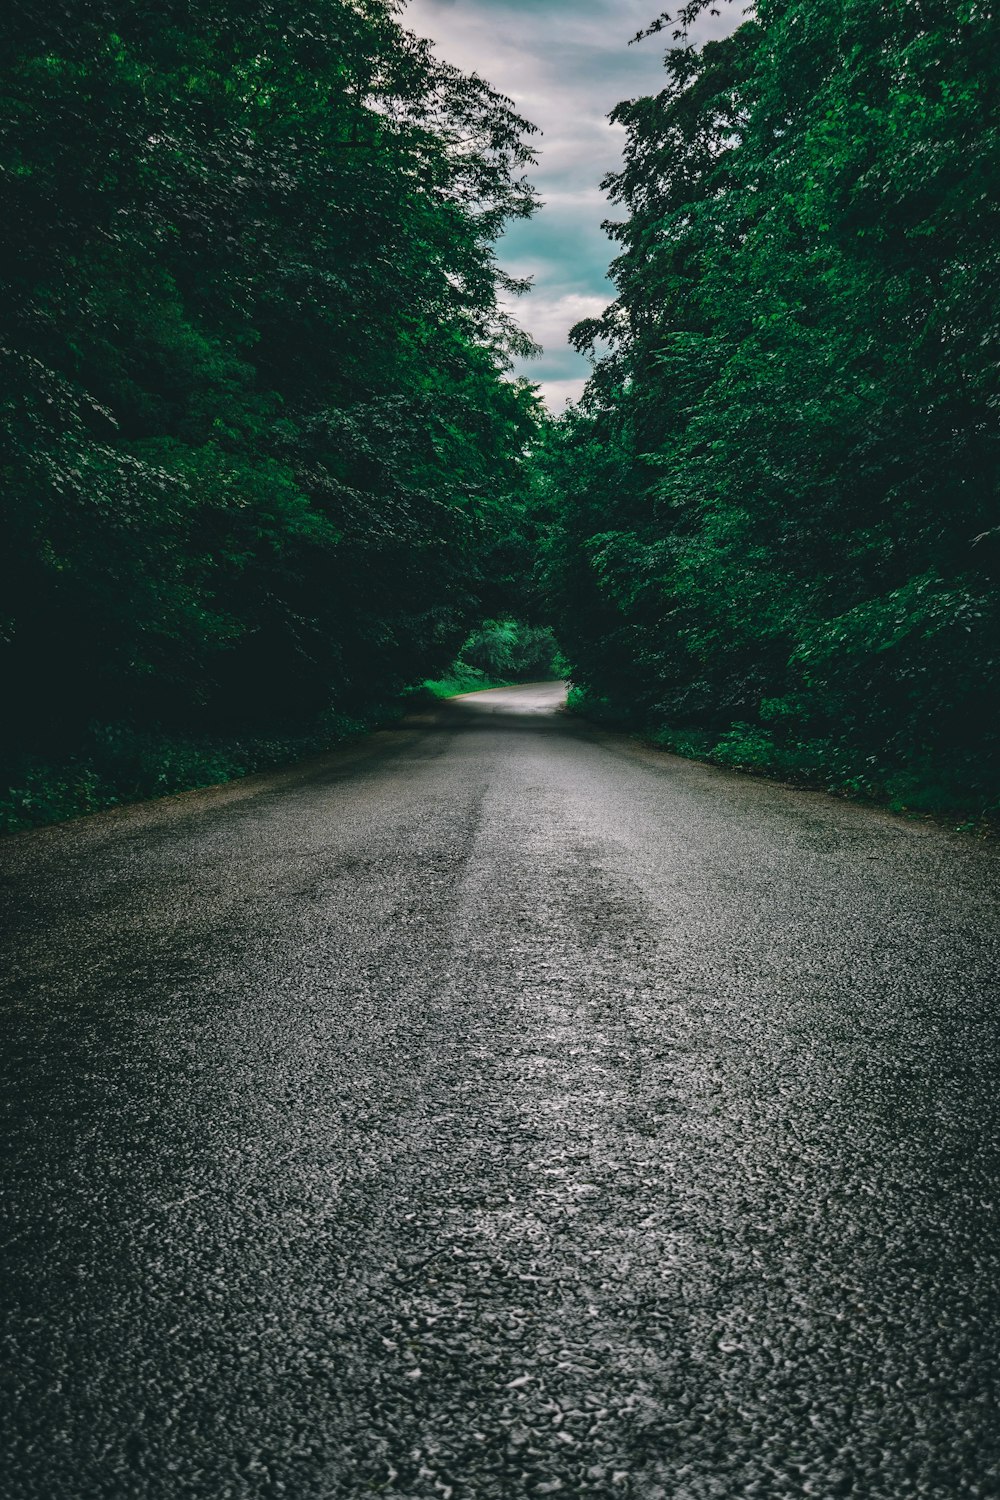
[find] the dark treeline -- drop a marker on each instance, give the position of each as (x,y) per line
(259,455)
(776,525)
(262,469)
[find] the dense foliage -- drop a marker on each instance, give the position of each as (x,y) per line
(776,527)
(258,443)
(512,650)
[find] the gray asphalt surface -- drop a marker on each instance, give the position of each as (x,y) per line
(494,1109)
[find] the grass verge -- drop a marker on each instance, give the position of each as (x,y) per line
(468,680)
(816,765)
(116,765)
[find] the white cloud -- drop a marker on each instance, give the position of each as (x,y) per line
(556,393)
(548,319)
(566,64)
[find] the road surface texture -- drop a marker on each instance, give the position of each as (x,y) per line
(495,1108)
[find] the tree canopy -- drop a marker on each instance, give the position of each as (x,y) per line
(258,435)
(262,453)
(775,510)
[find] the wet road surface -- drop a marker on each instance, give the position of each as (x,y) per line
(493,1109)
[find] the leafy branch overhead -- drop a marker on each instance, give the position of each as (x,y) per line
(259,438)
(777,502)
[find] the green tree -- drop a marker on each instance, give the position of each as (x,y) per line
(257,426)
(779,495)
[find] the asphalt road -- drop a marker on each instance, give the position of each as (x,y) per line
(493,1109)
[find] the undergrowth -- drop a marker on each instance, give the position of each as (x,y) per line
(819,764)
(116,765)
(463,680)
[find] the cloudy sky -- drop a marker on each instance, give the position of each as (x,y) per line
(565,63)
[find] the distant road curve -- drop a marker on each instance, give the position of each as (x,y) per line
(496,1108)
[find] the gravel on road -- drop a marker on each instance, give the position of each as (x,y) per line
(497,1108)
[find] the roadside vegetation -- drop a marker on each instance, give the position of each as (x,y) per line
(117,764)
(260,452)
(265,472)
(499,653)
(774,536)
